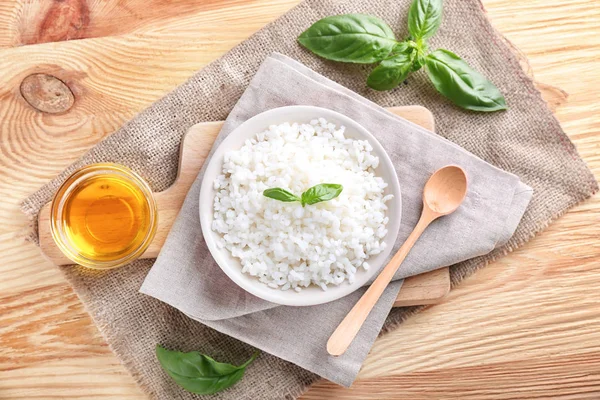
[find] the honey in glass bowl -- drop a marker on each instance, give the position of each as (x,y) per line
(103,216)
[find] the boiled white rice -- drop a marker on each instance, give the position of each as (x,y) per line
(285,245)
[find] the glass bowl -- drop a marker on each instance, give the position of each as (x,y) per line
(103,216)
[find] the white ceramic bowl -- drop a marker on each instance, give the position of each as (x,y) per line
(232,267)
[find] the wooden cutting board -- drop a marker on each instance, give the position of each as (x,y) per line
(422,289)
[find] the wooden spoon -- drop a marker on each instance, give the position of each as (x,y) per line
(443,193)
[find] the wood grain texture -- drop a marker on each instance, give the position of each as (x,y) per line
(30,22)
(533,325)
(419,290)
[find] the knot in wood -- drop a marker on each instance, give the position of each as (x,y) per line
(47,93)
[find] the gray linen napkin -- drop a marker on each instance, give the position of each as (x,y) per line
(186,277)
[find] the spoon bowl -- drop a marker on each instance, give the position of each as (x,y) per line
(445,190)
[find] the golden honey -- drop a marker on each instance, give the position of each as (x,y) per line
(103,216)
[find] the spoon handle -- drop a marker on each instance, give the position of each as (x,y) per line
(346,331)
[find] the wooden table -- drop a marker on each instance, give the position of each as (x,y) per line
(526,326)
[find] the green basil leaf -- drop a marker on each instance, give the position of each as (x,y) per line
(424,18)
(280,194)
(321,192)
(391,72)
(466,87)
(198,373)
(355,38)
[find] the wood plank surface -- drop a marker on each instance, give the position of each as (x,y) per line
(532,328)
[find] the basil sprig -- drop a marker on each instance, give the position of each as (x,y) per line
(314,195)
(359,38)
(198,373)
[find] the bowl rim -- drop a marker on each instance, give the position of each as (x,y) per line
(258,288)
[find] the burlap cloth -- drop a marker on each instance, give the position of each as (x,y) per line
(525,140)
(186,276)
